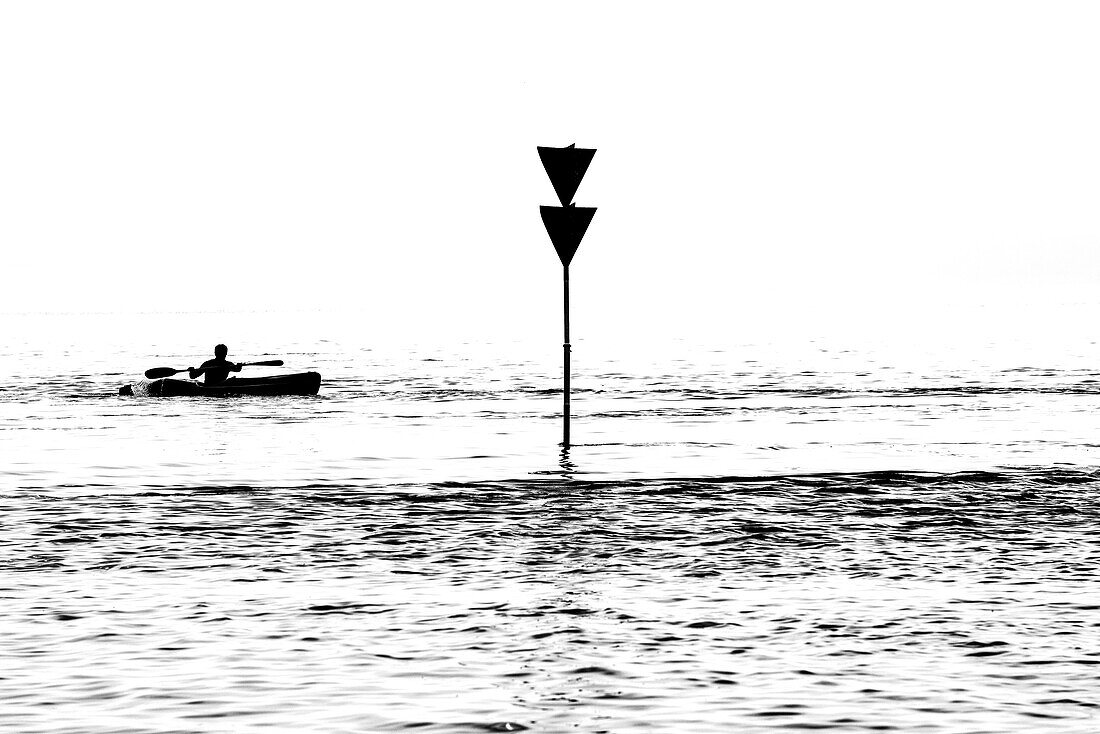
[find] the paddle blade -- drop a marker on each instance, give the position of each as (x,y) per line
(268,363)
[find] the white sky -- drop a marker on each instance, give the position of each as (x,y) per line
(755,160)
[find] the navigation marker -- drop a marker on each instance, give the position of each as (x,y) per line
(566,225)
(566,167)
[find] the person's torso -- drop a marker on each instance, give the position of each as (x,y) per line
(214,375)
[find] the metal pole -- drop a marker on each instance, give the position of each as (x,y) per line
(566,348)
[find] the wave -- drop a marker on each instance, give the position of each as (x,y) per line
(849,482)
(860,482)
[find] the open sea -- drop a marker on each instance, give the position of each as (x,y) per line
(751,534)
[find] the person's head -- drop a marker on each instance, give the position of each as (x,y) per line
(220,351)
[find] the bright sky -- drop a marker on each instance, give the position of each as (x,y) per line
(754,158)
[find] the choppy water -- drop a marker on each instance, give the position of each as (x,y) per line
(748,537)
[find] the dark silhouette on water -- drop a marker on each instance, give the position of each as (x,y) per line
(302,383)
(566,225)
(219,384)
(217,370)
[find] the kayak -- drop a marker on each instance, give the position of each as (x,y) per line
(302,383)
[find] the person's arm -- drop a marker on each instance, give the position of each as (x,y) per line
(194,373)
(235,368)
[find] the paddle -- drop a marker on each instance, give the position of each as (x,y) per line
(158,372)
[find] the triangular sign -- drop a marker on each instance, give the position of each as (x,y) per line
(566,167)
(566,226)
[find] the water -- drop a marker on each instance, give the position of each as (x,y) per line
(846,535)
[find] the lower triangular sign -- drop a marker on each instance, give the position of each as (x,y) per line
(566,226)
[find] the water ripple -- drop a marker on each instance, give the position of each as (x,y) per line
(840,601)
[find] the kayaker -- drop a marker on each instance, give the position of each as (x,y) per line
(216,370)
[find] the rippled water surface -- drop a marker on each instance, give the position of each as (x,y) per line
(757,536)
